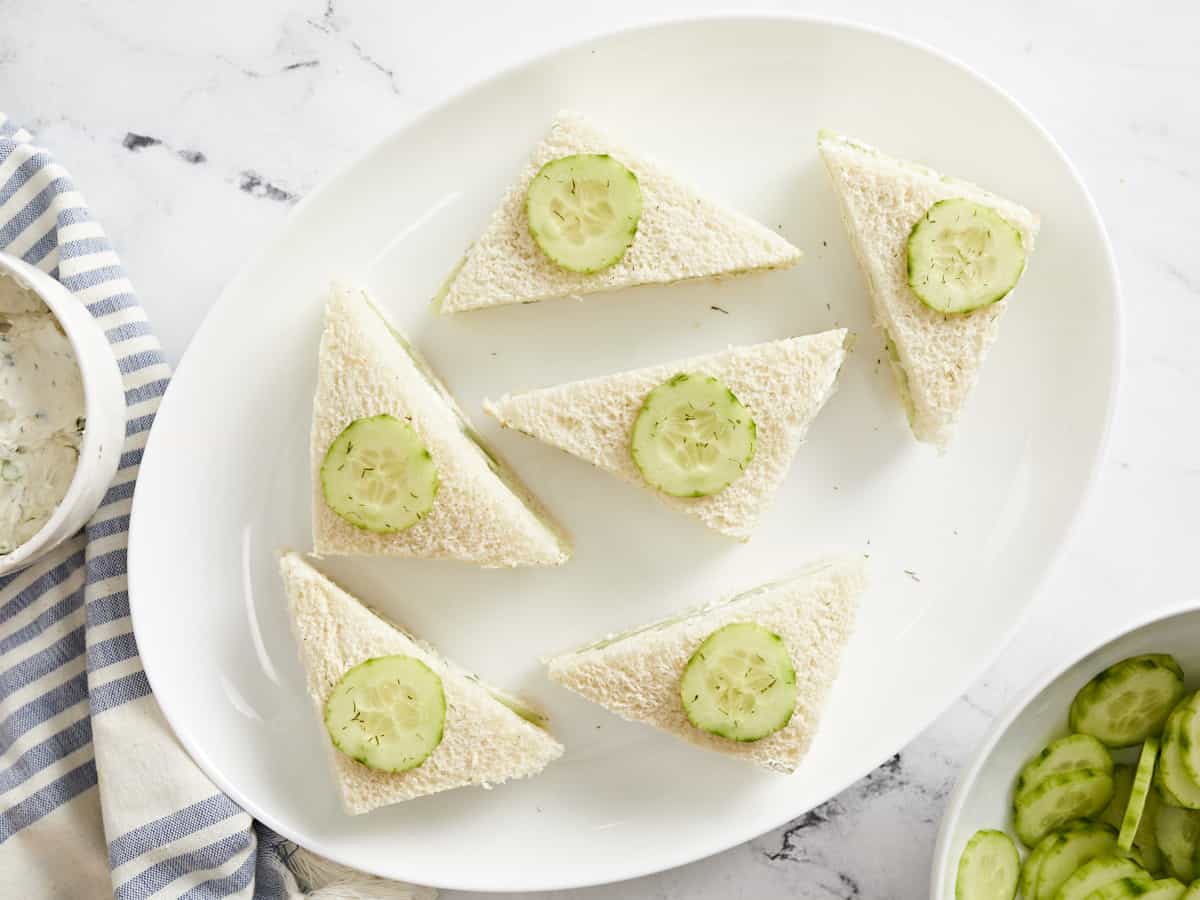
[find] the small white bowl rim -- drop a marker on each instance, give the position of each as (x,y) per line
(32,549)
(966,781)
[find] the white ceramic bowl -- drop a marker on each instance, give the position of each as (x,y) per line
(104,406)
(983,796)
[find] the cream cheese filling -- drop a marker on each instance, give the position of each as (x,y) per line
(41,414)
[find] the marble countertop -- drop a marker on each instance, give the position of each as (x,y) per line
(193,128)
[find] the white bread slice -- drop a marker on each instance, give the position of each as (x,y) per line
(636,675)
(482,513)
(681,235)
(936,357)
(783,384)
(484,742)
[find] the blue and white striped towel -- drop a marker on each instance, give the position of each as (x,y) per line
(93,784)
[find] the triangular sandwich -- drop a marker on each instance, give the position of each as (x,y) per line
(412,477)
(781,385)
(676,234)
(746,676)
(936,355)
(483,740)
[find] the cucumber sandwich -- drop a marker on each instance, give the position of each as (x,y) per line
(713,436)
(397,468)
(940,257)
(402,721)
(746,676)
(586,216)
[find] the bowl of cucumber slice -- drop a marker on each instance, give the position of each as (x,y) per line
(1088,788)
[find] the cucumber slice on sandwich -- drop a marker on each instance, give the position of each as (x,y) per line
(692,437)
(379,476)
(522,709)
(963,255)
(1129,701)
(740,683)
(387,713)
(988,868)
(583,211)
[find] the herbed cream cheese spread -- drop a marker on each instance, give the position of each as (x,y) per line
(41,414)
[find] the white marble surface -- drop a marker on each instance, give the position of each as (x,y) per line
(242,107)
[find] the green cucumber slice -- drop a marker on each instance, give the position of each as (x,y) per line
(1163,792)
(378,475)
(1141,888)
(1145,842)
(1132,819)
(1097,874)
(583,211)
(1178,831)
(1163,889)
(1076,751)
(740,683)
(1033,865)
(520,707)
(963,256)
(692,436)
(1129,701)
(989,868)
(1122,889)
(1068,851)
(1059,799)
(1176,786)
(1114,813)
(1189,736)
(387,713)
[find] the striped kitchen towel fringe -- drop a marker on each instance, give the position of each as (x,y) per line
(94,788)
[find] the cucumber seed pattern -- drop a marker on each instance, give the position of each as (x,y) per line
(740,683)
(583,211)
(692,437)
(378,475)
(962,256)
(387,713)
